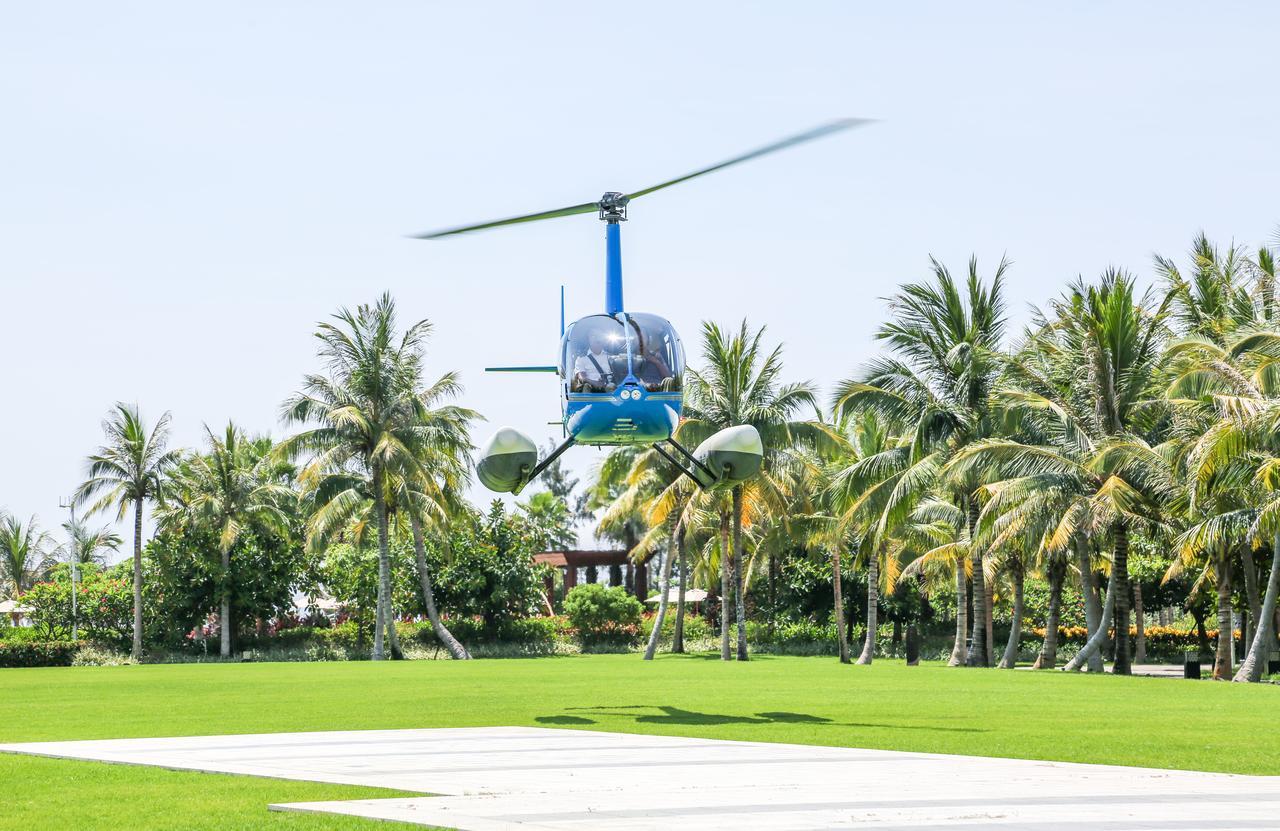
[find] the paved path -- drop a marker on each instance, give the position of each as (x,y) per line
(523,778)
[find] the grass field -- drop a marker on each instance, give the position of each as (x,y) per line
(1128,721)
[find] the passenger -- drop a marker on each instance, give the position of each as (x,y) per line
(654,372)
(592,372)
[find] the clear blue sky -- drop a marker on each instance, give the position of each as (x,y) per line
(185,189)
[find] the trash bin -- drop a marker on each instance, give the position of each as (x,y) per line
(913,647)
(1191,665)
(1273,663)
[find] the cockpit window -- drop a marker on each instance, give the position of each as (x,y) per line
(599,353)
(659,357)
(595,355)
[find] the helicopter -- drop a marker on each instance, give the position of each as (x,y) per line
(621,373)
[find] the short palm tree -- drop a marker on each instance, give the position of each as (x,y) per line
(86,545)
(234,487)
(127,472)
(25,554)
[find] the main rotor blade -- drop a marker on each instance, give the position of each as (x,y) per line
(817,132)
(584,208)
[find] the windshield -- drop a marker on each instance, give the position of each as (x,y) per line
(659,357)
(599,353)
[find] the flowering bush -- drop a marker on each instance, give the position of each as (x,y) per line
(104,609)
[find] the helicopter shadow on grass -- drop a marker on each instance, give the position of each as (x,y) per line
(675,716)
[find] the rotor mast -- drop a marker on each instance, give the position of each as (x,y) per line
(613,212)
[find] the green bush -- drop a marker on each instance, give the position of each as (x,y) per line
(38,653)
(603,614)
(21,634)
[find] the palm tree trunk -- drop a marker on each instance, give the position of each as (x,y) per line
(1249,569)
(137,580)
(1120,574)
(978,641)
(656,634)
(962,617)
(739,591)
(1140,645)
(384,571)
(1264,632)
(456,649)
(1093,646)
(224,614)
(842,640)
(725,654)
(1222,656)
(873,603)
(1092,605)
(989,610)
(393,637)
(1010,659)
(1048,657)
(677,637)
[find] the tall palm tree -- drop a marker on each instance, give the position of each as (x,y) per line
(946,339)
(1086,450)
(129,471)
(25,553)
(234,487)
(368,413)
(740,383)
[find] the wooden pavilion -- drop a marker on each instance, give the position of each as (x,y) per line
(569,563)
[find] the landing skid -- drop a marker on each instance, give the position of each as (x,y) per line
(544,464)
(708,477)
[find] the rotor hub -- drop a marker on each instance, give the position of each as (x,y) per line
(613,206)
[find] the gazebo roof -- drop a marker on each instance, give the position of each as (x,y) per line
(578,558)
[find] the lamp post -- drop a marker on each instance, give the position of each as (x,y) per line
(75,568)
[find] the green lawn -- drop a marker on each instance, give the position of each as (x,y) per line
(1129,721)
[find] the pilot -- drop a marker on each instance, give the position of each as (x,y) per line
(592,371)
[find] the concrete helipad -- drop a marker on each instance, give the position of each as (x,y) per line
(520,778)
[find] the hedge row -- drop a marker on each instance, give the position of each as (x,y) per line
(26,653)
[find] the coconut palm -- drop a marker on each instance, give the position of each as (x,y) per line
(129,471)
(236,486)
(740,383)
(86,545)
(945,338)
(1092,458)
(25,554)
(853,520)
(367,412)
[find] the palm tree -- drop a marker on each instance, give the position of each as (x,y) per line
(369,410)
(25,553)
(89,545)
(236,486)
(739,383)
(1087,452)
(127,471)
(946,340)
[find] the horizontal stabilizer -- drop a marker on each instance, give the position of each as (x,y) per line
(521,369)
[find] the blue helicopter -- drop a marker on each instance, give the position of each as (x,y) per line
(622,373)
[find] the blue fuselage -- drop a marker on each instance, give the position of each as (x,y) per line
(611,418)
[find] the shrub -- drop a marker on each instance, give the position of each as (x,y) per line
(603,614)
(90,655)
(38,653)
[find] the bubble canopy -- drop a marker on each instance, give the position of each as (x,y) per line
(601,352)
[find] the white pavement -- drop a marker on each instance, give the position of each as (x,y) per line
(522,778)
